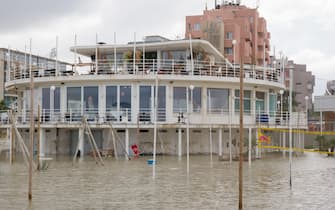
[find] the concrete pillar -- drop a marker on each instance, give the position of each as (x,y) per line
(284,144)
(230,143)
(249,151)
(127,143)
(220,142)
(102,103)
(257,142)
(81,142)
(10,140)
(211,144)
(179,143)
(42,143)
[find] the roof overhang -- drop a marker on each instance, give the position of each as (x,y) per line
(169,45)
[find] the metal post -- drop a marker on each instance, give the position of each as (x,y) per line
(56,59)
(191,51)
(290,125)
(38,135)
(115,70)
(155,129)
(96,53)
(75,54)
(32,127)
(220,142)
(134,55)
(249,150)
(188,133)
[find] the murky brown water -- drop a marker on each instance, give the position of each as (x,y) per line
(130,185)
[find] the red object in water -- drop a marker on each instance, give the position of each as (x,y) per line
(136,152)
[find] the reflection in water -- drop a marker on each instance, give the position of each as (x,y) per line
(129,184)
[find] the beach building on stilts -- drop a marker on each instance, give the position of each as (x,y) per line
(183,89)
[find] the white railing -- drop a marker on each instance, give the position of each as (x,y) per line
(146,116)
(151,66)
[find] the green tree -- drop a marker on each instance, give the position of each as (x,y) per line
(3,105)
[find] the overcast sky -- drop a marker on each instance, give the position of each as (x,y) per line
(302,29)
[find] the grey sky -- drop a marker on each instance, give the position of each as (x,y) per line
(301,29)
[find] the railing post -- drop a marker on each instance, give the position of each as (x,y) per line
(172,66)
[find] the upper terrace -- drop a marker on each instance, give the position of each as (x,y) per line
(169,59)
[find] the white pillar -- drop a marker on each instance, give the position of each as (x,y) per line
(220,142)
(284,144)
(249,153)
(179,143)
(42,143)
(81,142)
(230,142)
(211,145)
(10,140)
(257,142)
(127,143)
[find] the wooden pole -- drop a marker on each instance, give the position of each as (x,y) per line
(32,128)
(38,136)
(240,203)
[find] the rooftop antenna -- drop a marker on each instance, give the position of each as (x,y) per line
(257,4)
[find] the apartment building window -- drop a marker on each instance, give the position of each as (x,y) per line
(229,35)
(197,27)
(228,51)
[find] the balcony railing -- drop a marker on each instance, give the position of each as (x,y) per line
(164,117)
(149,67)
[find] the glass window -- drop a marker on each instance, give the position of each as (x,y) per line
(272,104)
(46,99)
(111,98)
(218,100)
(74,99)
(145,98)
(91,99)
(125,97)
(260,102)
(195,99)
(228,50)
(125,101)
(57,99)
(197,27)
(229,35)
(161,104)
(179,99)
(246,101)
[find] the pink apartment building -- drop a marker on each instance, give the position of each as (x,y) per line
(228,22)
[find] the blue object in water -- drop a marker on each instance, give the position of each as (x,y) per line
(150,162)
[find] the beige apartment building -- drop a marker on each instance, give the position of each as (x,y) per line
(228,22)
(303,84)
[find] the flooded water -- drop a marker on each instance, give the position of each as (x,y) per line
(124,184)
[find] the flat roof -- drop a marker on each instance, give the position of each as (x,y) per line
(152,46)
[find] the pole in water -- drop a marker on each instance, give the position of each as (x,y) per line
(240,203)
(290,125)
(32,128)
